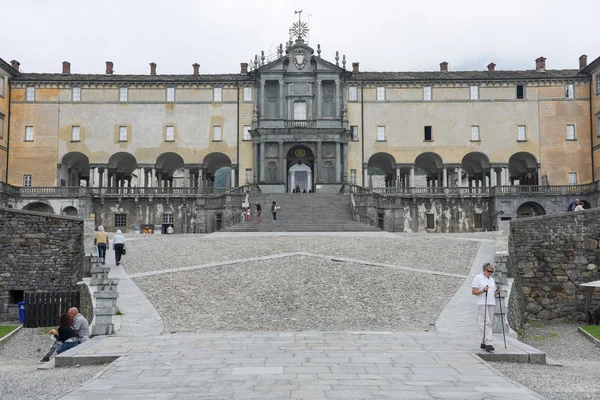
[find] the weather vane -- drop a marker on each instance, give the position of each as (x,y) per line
(299,29)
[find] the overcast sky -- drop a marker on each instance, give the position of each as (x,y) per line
(383,35)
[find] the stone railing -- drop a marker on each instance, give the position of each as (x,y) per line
(290,123)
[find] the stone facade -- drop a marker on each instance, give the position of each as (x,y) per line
(552,255)
(39,252)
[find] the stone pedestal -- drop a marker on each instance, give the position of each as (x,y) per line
(106,307)
(99,273)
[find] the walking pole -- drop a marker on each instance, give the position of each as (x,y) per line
(502,320)
(484,319)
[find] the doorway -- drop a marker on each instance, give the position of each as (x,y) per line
(300,175)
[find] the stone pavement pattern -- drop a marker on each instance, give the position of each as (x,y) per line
(305,365)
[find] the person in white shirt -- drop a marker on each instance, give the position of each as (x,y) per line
(170,230)
(578,205)
(484,285)
(118,246)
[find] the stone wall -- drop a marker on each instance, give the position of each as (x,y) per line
(552,255)
(38,252)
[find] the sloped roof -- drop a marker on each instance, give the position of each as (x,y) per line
(468,75)
(35,77)
(8,68)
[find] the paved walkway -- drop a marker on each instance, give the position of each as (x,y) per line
(297,365)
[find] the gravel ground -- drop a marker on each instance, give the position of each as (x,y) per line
(298,293)
(428,252)
(19,377)
(578,378)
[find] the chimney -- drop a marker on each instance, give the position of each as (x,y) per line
(355,67)
(66,68)
(109,68)
(444,66)
(244,68)
(15,64)
(491,67)
(540,64)
(152,68)
(583,61)
(196,67)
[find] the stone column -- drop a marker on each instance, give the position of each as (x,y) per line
(262,161)
(459,180)
(338,164)
(318,165)
(483,179)
(506,180)
(345,162)
(159,178)
(412,177)
(262,98)
(337,98)
(186,177)
(281,162)
(398,177)
(233,174)
(281,98)
(365,182)
(100,177)
(493,177)
(319,100)
(255,164)
(445,177)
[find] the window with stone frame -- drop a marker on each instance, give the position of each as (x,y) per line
(27,180)
(247,135)
(170,94)
(380,93)
(1,126)
(76,93)
(571,132)
(29,133)
(122,134)
(570,91)
(428,133)
(521,133)
(478,221)
(300,110)
(520,92)
(272,99)
(474,92)
(381,133)
(170,133)
(572,178)
(217,133)
(167,219)
(120,220)
(123,94)
(328,172)
(30,93)
(218,94)
(475,133)
(427,95)
(353,93)
(328,104)
(75,134)
(430,221)
(247,94)
(354,130)
(271,171)
(2,85)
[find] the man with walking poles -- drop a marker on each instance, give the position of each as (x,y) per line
(484,287)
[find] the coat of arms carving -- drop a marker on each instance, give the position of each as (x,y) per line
(299,59)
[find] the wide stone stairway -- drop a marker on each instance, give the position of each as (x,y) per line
(302,212)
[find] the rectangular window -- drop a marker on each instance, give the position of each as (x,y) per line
(170,135)
(381,93)
(475,134)
(170,94)
(520,91)
(381,133)
(427,93)
(75,134)
(597,84)
(570,91)
(598,127)
(30,93)
(300,110)
(354,133)
(478,221)
(521,133)
(217,94)
(217,133)
(167,219)
(1,126)
(352,93)
(29,133)
(474,92)
(120,220)
(427,134)
(27,180)
(122,134)
(572,178)
(353,176)
(2,85)
(247,135)
(123,94)
(248,176)
(570,132)
(247,94)
(430,221)
(76,94)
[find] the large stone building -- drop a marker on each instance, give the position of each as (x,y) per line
(295,119)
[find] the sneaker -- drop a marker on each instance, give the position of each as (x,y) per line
(482,346)
(489,347)
(44,360)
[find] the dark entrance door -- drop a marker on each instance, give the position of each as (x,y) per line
(300,169)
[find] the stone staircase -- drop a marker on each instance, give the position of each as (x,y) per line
(302,212)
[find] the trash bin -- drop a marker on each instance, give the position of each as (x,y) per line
(22,312)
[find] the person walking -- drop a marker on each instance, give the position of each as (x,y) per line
(484,287)
(101,242)
(274,208)
(118,246)
(258,211)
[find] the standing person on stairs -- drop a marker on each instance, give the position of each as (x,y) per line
(258,211)
(274,209)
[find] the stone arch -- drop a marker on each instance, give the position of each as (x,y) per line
(381,164)
(40,207)
(300,168)
(166,166)
(429,166)
(586,205)
(121,166)
(530,209)
(523,167)
(217,169)
(69,210)
(74,168)
(476,165)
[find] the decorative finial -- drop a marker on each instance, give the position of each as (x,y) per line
(262,57)
(344,61)
(280,50)
(337,58)
(300,28)
(255,61)
(319,50)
